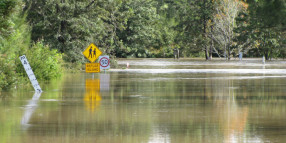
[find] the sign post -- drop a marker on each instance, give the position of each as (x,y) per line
(240,56)
(30,73)
(92,53)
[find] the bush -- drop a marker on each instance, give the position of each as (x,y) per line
(15,41)
(45,63)
(8,76)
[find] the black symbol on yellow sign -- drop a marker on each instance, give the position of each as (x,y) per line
(92,52)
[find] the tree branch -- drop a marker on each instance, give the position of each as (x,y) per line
(89,4)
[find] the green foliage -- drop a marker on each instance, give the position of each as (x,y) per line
(260,28)
(6,9)
(65,26)
(7,74)
(73,67)
(146,28)
(193,17)
(15,41)
(120,28)
(141,30)
(46,63)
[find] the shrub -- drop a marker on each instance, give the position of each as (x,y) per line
(46,63)
(7,74)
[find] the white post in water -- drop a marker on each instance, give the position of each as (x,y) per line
(30,73)
(240,56)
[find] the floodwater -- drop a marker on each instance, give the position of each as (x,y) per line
(154,101)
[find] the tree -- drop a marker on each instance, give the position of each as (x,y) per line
(193,24)
(6,9)
(225,22)
(167,12)
(66,25)
(117,27)
(142,32)
(15,41)
(263,26)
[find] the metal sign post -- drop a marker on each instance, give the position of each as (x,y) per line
(30,73)
(240,56)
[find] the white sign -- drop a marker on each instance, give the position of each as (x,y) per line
(104,62)
(240,56)
(30,73)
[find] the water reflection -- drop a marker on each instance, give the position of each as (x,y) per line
(92,96)
(104,82)
(158,136)
(232,117)
(93,88)
(151,107)
(29,110)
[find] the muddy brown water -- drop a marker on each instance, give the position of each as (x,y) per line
(154,101)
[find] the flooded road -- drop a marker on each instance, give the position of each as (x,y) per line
(154,101)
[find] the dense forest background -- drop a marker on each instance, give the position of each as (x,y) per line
(50,31)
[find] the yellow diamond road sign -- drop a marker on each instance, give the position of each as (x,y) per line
(92,52)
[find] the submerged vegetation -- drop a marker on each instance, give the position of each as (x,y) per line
(53,31)
(15,41)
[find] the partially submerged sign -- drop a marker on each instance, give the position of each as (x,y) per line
(104,62)
(92,67)
(92,53)
(30,73)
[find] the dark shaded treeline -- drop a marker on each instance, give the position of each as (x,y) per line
(135,28)
(153,28)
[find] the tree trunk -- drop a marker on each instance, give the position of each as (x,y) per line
(211,52)
(266,56)
(178,56)
(228,52)
(206,53)
(205,32)
(212,44)
(270,55)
